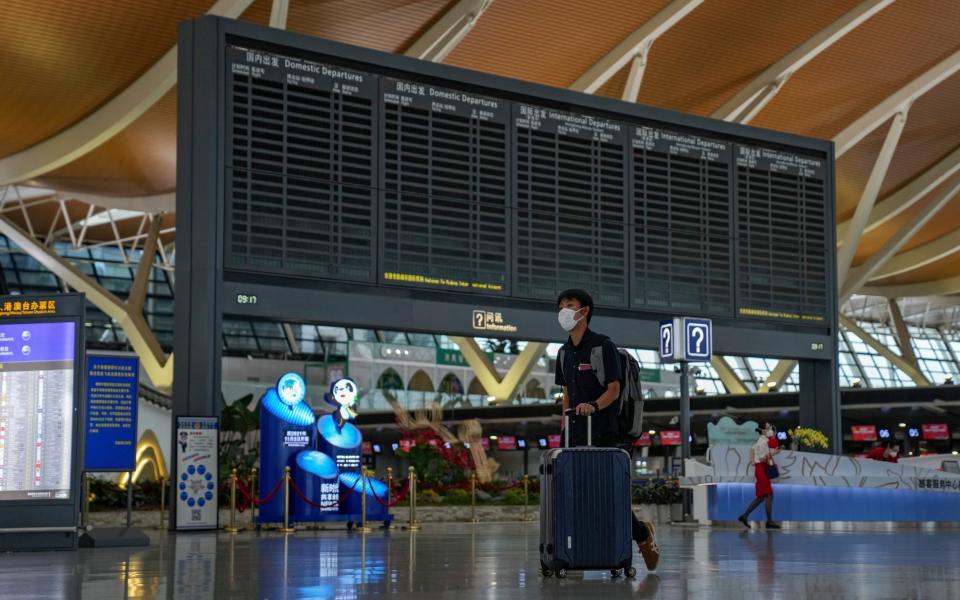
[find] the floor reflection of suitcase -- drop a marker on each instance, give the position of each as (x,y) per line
(585,510)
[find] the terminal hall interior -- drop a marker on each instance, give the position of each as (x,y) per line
(320,298)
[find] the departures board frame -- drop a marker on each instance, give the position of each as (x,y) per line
(213,288)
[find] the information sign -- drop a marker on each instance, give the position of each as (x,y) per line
(196,483)
(111,412)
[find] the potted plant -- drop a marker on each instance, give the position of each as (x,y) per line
(805,437)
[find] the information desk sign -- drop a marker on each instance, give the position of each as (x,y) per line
(686,339)
(41,354)
(111,412)
(195,487)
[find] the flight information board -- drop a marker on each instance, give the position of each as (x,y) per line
(349,171)
(37,363)
(445,169)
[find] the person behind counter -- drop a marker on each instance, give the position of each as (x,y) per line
(888,452)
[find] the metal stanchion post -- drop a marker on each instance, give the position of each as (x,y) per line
(363,502)
(232,527)
(389,485)
(286,501)
(163,497)
(526,497)
(253,490)
(413,499)
(473,499)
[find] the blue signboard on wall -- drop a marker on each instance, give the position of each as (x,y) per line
(111,412)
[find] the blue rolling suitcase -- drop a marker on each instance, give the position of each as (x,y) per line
(585,510)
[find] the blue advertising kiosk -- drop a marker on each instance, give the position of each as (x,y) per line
(323,455)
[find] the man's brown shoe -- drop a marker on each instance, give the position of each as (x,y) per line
(649,548)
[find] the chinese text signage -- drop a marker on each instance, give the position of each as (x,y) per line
(111,413)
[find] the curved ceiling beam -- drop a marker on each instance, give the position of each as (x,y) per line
(148,204)
(908,195)
(636,44)
(920,256)
(440,40)
(941,287)
(278,14)
(108,120)
(744,106)
(879,114)
(861,274)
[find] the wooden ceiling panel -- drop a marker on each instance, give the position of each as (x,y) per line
(864,67)
(721,46)
(387,25)
(62,60)
(138,161)
(549,41)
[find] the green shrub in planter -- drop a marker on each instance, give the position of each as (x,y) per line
(457,497)
(428,497)
(514,497)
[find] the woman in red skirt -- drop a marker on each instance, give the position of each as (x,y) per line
(761,455)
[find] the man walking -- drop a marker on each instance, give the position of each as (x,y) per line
(588,368)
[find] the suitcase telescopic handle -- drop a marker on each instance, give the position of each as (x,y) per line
(566,428)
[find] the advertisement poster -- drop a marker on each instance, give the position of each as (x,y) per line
(111,412)
(864,433)
(669,438)
(196,482)
(507,442)
(36,410)
(935,431)
(727,432)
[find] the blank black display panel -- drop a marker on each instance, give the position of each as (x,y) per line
(682,222)
(571,231)
(301,161)
(445,188)
(358,174)
(782,256)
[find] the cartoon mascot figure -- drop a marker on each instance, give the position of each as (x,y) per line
(343,397)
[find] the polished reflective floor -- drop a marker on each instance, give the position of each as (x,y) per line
(461,561)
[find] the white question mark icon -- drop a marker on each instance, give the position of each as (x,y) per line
(699,334)
(665,333)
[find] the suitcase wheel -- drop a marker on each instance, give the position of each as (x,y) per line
(615,572)
(631,572)
(546,572)
(561,573)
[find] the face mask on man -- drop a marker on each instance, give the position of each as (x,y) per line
(568,318)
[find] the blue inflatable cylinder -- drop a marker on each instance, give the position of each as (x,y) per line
(316,476)
(285,430)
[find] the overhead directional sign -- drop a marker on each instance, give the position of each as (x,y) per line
(698,339)
(686,339)
(667,332)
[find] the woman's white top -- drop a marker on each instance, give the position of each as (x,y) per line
(761,451)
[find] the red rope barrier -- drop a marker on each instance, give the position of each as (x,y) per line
(395,501)
(249,497)
(303,496)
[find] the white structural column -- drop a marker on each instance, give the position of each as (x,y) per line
(898,361)
(920,256)
(637,44)
(879,114)
(908,195)
(505,388)
(108,120)
(860,275)
(744,106)
(278,14)
(453,26)
(727,376)
(129,318)
(781,372)
(869,196)
(903,333)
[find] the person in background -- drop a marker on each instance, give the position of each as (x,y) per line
(589,393)
(888,452)
(761,455)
